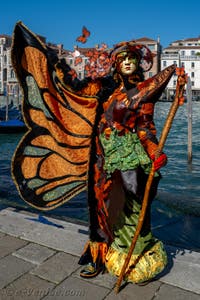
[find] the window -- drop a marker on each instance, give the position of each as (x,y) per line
(192,52)
(192,82)
(12,75)
(192,74)
(192,65)
(174,83)
(150,74)
(164,63)
(182,52)
(4,74)
(183,64)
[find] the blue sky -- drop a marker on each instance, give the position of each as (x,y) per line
(109,21)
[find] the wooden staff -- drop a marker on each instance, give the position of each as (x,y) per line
(182,79)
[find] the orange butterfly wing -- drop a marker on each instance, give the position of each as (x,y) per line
(81,39)
(85,34)
(50,164)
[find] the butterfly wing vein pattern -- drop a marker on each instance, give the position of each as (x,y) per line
(51,162)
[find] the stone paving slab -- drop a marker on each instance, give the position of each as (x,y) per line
(27,287)
(168,292)
(105,280)
(12,223)
(67,237)
(181,254)
(63,240)
(135,292)
(183,269)
(57,267)
(8,244)
(77,289)
(12,268)
(34,253)
(184,275)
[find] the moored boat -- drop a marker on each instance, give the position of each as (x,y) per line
(12,126)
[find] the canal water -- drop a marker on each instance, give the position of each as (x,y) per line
(176,208)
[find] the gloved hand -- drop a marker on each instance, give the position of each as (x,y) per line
(160,162)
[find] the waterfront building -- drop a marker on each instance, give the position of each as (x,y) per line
(10,93)
(8,81)
(183,53)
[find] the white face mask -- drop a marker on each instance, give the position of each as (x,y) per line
(128,66)
(126,63)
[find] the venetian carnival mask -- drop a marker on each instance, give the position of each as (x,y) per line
(131,49)
(126,63)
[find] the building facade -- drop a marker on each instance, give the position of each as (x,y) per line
(184,53)
(7,76)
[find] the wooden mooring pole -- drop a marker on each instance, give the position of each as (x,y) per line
(189,113)
(7,104)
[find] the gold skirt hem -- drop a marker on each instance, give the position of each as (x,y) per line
(141,267)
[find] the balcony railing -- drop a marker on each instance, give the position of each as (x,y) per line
(181,57)
(190,57)
(170,56)
(12,80)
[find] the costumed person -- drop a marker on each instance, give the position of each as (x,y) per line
(96,134)
(126,144)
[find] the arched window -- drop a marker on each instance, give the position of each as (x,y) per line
(12,74)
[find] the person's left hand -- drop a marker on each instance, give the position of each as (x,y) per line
(160,162)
